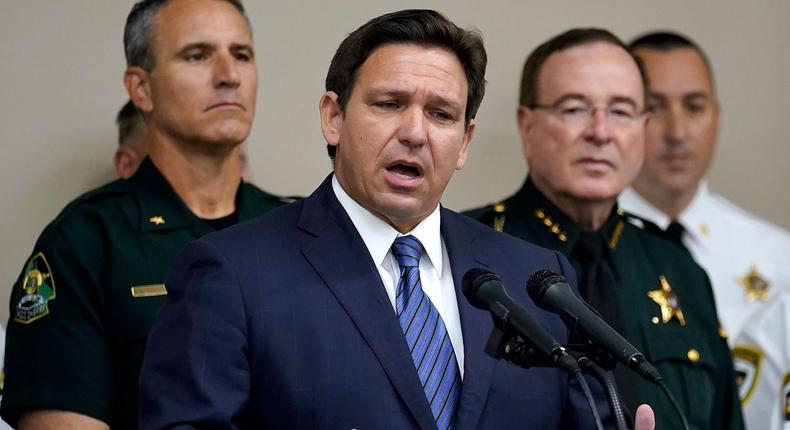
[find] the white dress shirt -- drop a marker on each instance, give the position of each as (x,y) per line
(730,244)
(435,272)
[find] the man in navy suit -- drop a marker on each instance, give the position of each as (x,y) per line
(306,318)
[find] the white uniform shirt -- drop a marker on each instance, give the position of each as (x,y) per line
(735,247)
(762,362)
(436,275)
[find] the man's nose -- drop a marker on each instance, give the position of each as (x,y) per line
(413,130)
(226,73)
(675,124)
(599,131)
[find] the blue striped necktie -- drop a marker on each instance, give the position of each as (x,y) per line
(426,335)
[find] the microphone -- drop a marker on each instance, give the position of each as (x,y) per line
(551,291)
(484,290)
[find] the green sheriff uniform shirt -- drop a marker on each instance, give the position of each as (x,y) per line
(662,303)
(85,301)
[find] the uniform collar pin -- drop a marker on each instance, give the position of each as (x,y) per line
(157,220)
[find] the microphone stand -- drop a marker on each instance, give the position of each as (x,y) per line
(503,344)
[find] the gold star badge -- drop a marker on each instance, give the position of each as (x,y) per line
(668,301)
(158,220)
(756,286)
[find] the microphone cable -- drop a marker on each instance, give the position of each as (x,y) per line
(674,403)
(590,400)
(610,389)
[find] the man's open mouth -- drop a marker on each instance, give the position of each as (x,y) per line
(406,171)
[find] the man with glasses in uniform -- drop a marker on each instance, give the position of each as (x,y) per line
(582,123)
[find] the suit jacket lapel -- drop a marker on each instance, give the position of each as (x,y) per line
(465,253)
(338,254)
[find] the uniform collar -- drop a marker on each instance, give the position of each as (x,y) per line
(379,236)
(637,205)
(555,227)
(693,219)
(162,209)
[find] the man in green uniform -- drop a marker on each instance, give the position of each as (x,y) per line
(82,307)
(582,122)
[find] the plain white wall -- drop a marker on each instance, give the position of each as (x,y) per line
(61,65)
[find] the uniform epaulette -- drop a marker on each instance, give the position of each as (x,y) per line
(498,217)
(491,215)
(114,188)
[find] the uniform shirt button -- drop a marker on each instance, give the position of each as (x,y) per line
(693,355)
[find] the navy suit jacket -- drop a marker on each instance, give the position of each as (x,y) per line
(284,323)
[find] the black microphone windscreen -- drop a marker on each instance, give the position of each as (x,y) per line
(540,281)
(471,282)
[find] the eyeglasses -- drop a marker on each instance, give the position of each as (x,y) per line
(578,113)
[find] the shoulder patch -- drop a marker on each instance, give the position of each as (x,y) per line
(35,291)
(747,361)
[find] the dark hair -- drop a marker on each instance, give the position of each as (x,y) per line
(421,27)
(128,120)
(137,33)
(666,41)
(528,95)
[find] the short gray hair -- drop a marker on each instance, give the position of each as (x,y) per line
(137,34)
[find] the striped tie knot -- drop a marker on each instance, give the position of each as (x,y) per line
(407,251)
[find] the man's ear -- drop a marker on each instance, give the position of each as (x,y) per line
(468,136)
(126,161)
(138,86)
(331,118)
(525,118)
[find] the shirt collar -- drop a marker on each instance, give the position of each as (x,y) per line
(695,215)
(692,218)
(379,236)
(161,208)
